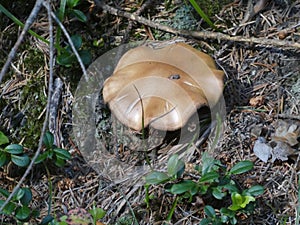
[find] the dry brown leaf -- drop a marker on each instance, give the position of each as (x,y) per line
(287,132)
(281,151)
(256,101)
(171,83)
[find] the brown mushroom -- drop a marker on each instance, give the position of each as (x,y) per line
(171,83)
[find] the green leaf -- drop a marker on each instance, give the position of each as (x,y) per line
(202,14)
(209,211)
(59,162)
(3,158)
(72,3)
(227,212)
(4,192)
(85,56)
(175,166)
(66,59)
(156,177)
(241,167)
(218,193)
(20,160)
(61,11)
(203,189)
(3,138)
(239,201)
(209,177)
(27,197)
(14,149)
(205,221)
(77,41)
(19,194)
(42,157)
(255,190)
(247,200)
(185,186)
(46,220)
(224,219)
(48,140)
(62,153)
(209,163)
(231,187)
(8,209)
(97,213)
(233,220)
(79,15)
(23,213)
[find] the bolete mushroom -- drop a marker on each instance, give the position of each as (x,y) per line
(163,87)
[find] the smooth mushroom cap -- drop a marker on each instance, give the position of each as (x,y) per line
(197,64)
(167,103)
(170,83)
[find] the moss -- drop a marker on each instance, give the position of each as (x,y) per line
(25,112)
(34,101)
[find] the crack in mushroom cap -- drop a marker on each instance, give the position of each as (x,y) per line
(171,83)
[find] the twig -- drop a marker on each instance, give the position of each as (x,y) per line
(55,100)
(27,25)
(198,34)
(70,43)
(17,187)
(130,24)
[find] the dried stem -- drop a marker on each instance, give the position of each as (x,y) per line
(198,34)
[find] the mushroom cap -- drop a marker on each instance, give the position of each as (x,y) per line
(162,87)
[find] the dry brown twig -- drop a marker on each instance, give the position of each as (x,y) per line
(130,24)
(198,34)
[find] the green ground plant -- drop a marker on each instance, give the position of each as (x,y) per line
(67,10)
(65,55)
(78,216)
(18,207)
(215,182)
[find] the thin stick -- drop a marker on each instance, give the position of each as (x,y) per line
(14,49)
(130,24)
(70,43)
(17,187)
(198,34)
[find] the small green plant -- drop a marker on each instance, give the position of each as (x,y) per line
(65,55)
(215,181)
(67,58)
(52,152)
(202,14)
(79,216)
(13,152)
(18,207)
(66,10)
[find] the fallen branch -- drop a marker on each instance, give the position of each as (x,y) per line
(197,34)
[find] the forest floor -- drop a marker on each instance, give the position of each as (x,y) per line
(262,96)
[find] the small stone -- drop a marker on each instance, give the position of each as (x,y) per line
(261,149)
